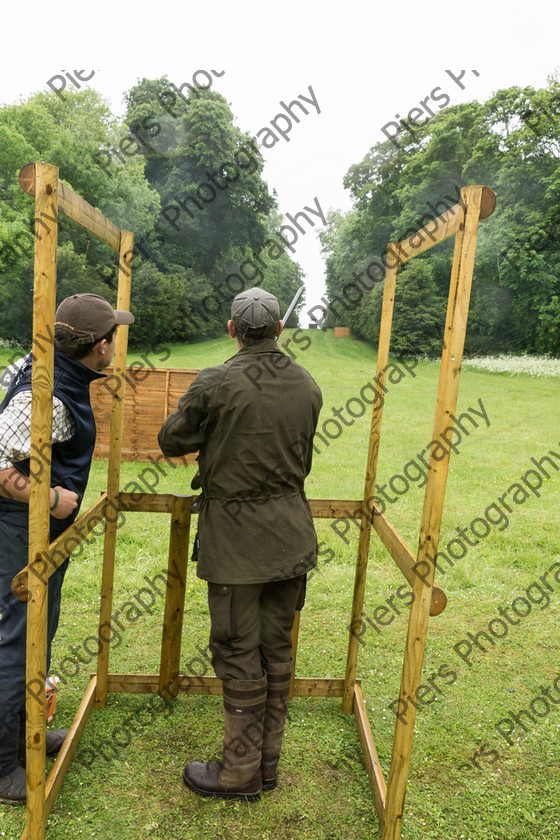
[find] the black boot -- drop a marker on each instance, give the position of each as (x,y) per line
(13,788)
(238,774)
(279,679)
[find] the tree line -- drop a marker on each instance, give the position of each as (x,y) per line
(180,175)
(511,143)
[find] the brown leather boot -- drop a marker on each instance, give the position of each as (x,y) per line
(238,774)
(279,678)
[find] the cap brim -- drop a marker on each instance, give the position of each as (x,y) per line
(123,317)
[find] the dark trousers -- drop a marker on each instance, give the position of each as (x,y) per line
(252,625)
(13,632)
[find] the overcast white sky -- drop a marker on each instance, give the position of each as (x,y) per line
(364,61)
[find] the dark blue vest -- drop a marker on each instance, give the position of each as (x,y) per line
(71,460)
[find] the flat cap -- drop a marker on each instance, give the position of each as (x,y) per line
(255,308)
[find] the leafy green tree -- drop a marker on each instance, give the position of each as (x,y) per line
(419,314)
(208,174)
(177,173)
(512,144)
(68,134)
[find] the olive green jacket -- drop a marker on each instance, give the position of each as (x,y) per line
(252,419)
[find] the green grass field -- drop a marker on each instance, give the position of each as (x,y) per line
(116,790)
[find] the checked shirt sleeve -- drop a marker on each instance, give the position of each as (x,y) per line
(15,428)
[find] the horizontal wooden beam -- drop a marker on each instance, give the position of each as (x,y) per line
(61,548)
(149,684)
(321,509)
(163,503)
(373,767)
(75,208)
(391,539)
(148,502)
(334,508)
(68,541)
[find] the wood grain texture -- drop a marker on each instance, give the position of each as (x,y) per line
(295,641)
(446,402)
(64,757)
(75,208)
(113,474)
(175,597)
(371,758)
(152,394)
(369,485)
(44,294)
(198,684)
(432,234)
(405,559)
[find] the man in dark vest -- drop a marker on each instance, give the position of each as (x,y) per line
(252,419)
(84,343)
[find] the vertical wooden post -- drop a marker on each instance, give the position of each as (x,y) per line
(44,295)
(369,486)
(448,389)
(114,471)
(167,409)
(175,597)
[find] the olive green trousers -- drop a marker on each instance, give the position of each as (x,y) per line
(251,625)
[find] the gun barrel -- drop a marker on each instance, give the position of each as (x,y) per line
(292,305)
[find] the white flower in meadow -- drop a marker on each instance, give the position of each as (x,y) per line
(515,365)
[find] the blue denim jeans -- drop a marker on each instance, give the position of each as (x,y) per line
(13,627)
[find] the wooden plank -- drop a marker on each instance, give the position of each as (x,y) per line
(113,475)
(75,208)
(146,452)
(147,403)
(391,539)
(446,404)
(175,597)
(147,502)
(64,757)
(167,393)
(43,567)
(373,767)
(163,503)
(335,508)
(441,228)
(149,684)
(44,293)
(369,485)
(404,558)
(431,234)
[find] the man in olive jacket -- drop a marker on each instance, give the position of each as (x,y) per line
(252,419)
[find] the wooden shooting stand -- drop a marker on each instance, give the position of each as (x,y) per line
(51,196)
